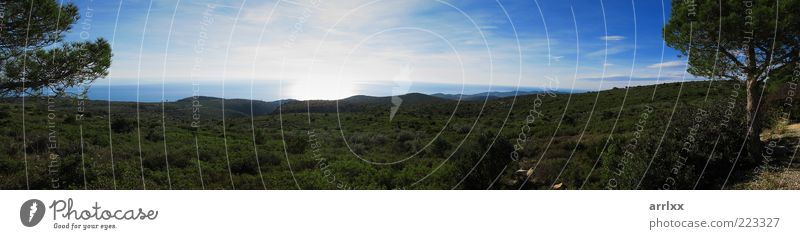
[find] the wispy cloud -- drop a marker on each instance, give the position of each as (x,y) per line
(610,51)
(612,38)
(668,64)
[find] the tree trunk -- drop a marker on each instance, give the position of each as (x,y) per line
(753,102)
(753,119)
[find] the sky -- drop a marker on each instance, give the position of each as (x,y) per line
(331,49)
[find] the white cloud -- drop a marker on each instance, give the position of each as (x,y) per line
(608,51)
(612,38)
(668,64)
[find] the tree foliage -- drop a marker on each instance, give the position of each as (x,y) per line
(737,40)
(733,39)
(34,58)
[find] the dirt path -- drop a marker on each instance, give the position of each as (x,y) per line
(789,131)
(787,179)
(787,175)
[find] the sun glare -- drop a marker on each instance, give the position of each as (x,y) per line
(320,90)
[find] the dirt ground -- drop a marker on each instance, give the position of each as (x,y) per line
(786,176)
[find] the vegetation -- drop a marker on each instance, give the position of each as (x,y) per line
(616,146)
(671,136)
(764,44)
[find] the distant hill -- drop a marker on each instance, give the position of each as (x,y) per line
(484,96)
(233,107)
(358,103)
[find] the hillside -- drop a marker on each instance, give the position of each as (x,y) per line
(359,103)
(233,107)
(620,139)
(484,96)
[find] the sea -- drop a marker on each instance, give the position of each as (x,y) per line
(272,90)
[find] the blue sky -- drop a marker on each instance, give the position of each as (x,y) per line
(327,49)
